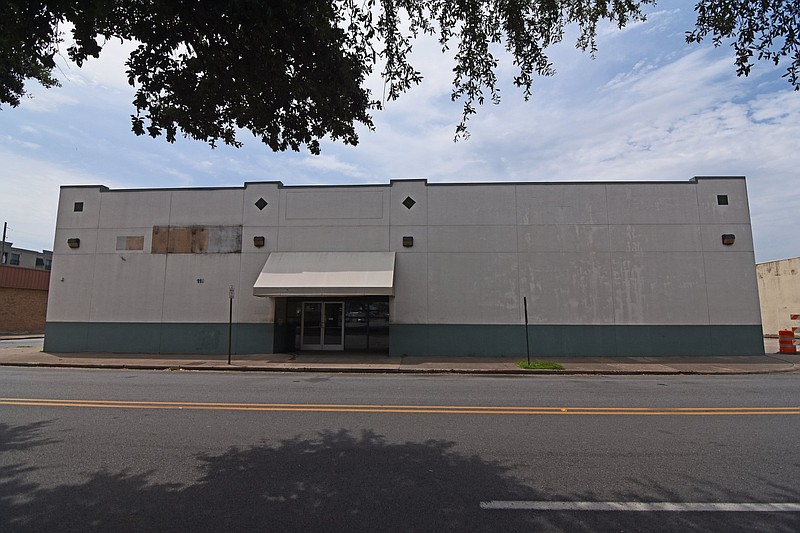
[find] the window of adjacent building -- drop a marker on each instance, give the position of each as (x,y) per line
(39,262)
(78,207)
(14,259)
(4,259)
(722,199)
(48,264)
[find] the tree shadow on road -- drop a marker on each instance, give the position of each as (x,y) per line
(334,481)
(23,436)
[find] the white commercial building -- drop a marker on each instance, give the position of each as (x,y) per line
(606,268)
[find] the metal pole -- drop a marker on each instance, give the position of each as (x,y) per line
(230,320)
(3,248)
(527,341)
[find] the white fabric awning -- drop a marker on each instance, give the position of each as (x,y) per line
(326,274)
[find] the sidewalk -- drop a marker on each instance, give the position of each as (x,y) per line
(19,351)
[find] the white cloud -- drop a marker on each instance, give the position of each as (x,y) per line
(9,140)
(30,197)
(331,163)
(47,100)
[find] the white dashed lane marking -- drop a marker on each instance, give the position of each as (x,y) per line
(641,506)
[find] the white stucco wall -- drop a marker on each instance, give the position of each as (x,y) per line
(582,253)
(779,291)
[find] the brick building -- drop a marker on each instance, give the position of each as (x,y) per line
(23,299)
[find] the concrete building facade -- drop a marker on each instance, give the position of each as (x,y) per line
(779,293)
(606,268)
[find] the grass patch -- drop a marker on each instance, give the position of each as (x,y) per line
(540,365)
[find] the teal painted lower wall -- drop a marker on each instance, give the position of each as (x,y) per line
(184,338)
(418,339)
(574,340)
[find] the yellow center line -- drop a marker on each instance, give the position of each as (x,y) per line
(382,408)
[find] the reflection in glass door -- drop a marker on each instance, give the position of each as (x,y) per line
(322,326)
(333,329)
(311,331)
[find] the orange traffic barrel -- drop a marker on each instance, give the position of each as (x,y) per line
(786,341)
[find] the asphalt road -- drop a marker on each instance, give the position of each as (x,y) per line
(98,450)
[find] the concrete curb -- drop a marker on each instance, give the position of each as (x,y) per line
(397,370)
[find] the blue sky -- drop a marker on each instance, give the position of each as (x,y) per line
(648,107)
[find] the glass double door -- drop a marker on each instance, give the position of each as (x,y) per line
(322,326)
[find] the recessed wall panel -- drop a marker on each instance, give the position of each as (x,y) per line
(348,206)
(333,239)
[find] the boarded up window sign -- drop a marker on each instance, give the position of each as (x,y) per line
(197,240)
(130,242)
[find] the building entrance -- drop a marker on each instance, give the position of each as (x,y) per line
(322,326)
(350,324)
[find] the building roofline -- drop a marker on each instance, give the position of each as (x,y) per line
(281,185)
(101,187)
(778,260)
(717,178)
